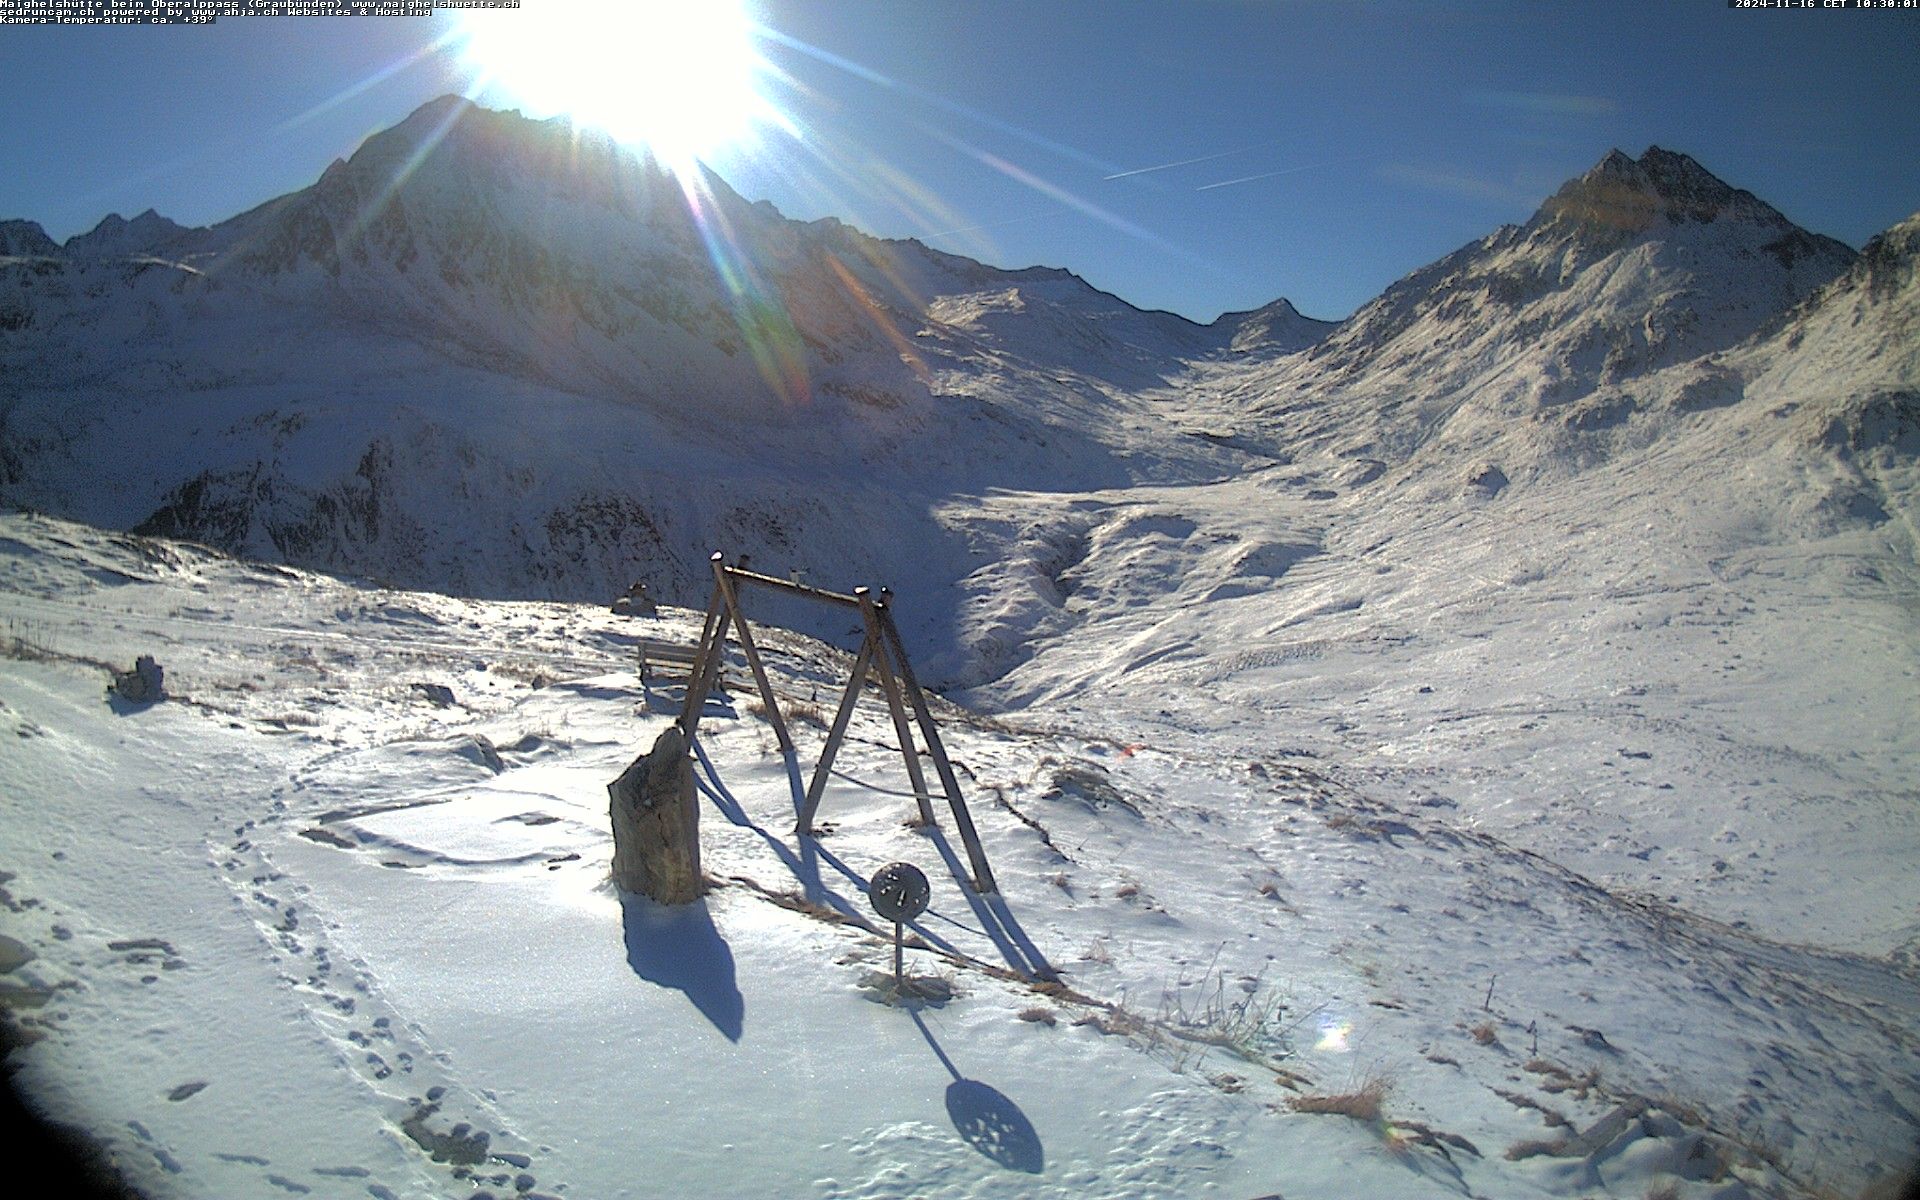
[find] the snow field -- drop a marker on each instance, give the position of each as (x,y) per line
(391,934)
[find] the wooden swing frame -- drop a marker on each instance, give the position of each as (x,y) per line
(882,655)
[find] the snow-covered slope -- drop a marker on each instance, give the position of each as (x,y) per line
(1845,372)
(1484,605)
(333,921)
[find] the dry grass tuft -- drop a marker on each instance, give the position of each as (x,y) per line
(1361,1105)
(1680,1111)
(1039,1016)
(26,650)
(1536,1148)
(1486,1033)
(1114,1021)
(531,674)
(1557,1120)
(794,901)
(803,711)
(806,713)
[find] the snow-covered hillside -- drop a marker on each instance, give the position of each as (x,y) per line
(1634,266)
(494,357)
(1503,587)
(333,920)
(607,372)
(1505,697)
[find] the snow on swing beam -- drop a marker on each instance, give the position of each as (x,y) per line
(882,653)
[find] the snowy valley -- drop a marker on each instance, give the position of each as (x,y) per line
(1467,750)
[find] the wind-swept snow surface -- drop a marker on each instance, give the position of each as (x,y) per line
(332,920)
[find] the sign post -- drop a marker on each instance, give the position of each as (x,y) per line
(898,892)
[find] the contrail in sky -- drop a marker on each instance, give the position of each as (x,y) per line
(1050,190)
(951,106)
(1187,162)
(1207,187)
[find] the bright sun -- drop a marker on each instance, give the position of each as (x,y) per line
(677,77)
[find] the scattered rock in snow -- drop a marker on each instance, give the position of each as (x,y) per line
(440,694)
(1089,786)
(14,954)
(478,749)
(1489,479)
(145,684)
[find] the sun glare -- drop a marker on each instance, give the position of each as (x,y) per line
(677,76)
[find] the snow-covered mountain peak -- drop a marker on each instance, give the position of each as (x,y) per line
(586,263)
(1633,268)
(117,237)
(25,238)
(1633,265)
(453,144)
(1277,327)
(450,169)
(1891,257)
(1632,195)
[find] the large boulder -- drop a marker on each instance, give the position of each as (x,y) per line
(145,684)
(656,824)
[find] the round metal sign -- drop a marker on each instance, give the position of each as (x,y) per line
(899,891)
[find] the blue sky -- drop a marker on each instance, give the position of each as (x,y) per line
(1326,147)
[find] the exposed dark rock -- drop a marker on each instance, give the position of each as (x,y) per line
(145,684)
(1489,479)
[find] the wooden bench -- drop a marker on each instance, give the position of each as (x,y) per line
(654,654)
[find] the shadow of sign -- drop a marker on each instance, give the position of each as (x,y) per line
(679,948)
(994,1125)
(985,1118)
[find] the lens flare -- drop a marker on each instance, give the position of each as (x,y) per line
(1334,1034)
(679,78)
